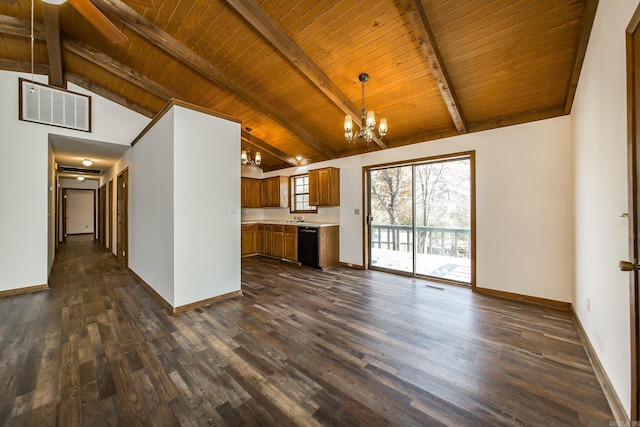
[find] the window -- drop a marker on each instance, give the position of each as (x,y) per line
(300,194)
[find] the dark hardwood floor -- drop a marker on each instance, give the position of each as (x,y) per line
(301,347)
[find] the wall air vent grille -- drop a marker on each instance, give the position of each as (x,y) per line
(54,106)
(74,169)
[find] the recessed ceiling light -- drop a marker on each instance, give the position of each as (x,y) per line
(87,162)
(80,178)
(298,158)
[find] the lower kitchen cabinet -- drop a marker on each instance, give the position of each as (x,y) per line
(249,236)
(291,243)
(328,246)
(279,241)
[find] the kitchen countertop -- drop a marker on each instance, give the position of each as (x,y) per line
(296,223)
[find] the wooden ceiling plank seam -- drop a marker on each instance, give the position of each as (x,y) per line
(177,19)
(262,145)
(420,25)
(119,69)
(517,33)
(208,51)
(165,14)
(52,35)
(199,30)
(477,56)
(186,29)
(263,23)
(170,45)
(539,48)
(501,16)
(105,93)
(583,40)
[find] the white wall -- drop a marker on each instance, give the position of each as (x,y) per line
(206,206)
(184,209)
(523,207)
(599,128)
(26,261)
(80,211)
(88,184)
(151,193)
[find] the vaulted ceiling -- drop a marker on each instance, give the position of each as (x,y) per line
(289,69)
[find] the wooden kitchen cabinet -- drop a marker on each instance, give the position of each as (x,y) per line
(275,192)
(291,243)
(328,246)
(249,242)
(250,193)
(264,239)
(277,241)
(324,187)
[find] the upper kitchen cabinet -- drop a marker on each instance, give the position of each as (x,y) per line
(324,187)
(251,192)
(275,192)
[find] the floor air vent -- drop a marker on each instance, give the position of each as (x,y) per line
(53,106)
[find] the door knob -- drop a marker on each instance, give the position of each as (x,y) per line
(628,266)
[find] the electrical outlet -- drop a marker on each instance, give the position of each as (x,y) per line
(589,304)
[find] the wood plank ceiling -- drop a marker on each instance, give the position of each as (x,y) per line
(289,69)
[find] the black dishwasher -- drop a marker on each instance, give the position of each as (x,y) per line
(308,246)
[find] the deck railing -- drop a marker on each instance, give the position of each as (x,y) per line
(431,240)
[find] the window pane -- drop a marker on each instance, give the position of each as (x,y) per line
(300,194)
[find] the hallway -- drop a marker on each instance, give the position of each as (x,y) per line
(301,347)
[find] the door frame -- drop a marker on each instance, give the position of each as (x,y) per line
(122,207)
(64,215)
(109,216)
(101,214)
(633,162)
(366,217)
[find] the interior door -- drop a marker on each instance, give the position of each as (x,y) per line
(123,217)
(633,160)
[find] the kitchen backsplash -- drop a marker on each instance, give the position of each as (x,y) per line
(331,215)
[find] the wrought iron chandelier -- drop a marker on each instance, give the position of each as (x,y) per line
(368,121)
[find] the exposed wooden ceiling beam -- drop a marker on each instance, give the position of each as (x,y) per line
(585,31)
(42,69)
(165,42)
(52,34)
(258,143)
(23,67)
(261,21)
(17,27)
(119,69)
(105,93)
(422,29)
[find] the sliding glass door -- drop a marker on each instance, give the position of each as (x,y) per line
(420,218)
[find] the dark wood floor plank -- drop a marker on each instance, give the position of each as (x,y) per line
(300,347)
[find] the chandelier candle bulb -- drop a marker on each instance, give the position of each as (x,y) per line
(382,129)
(258,158)
(371,120)
(243,156)
(348,123)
